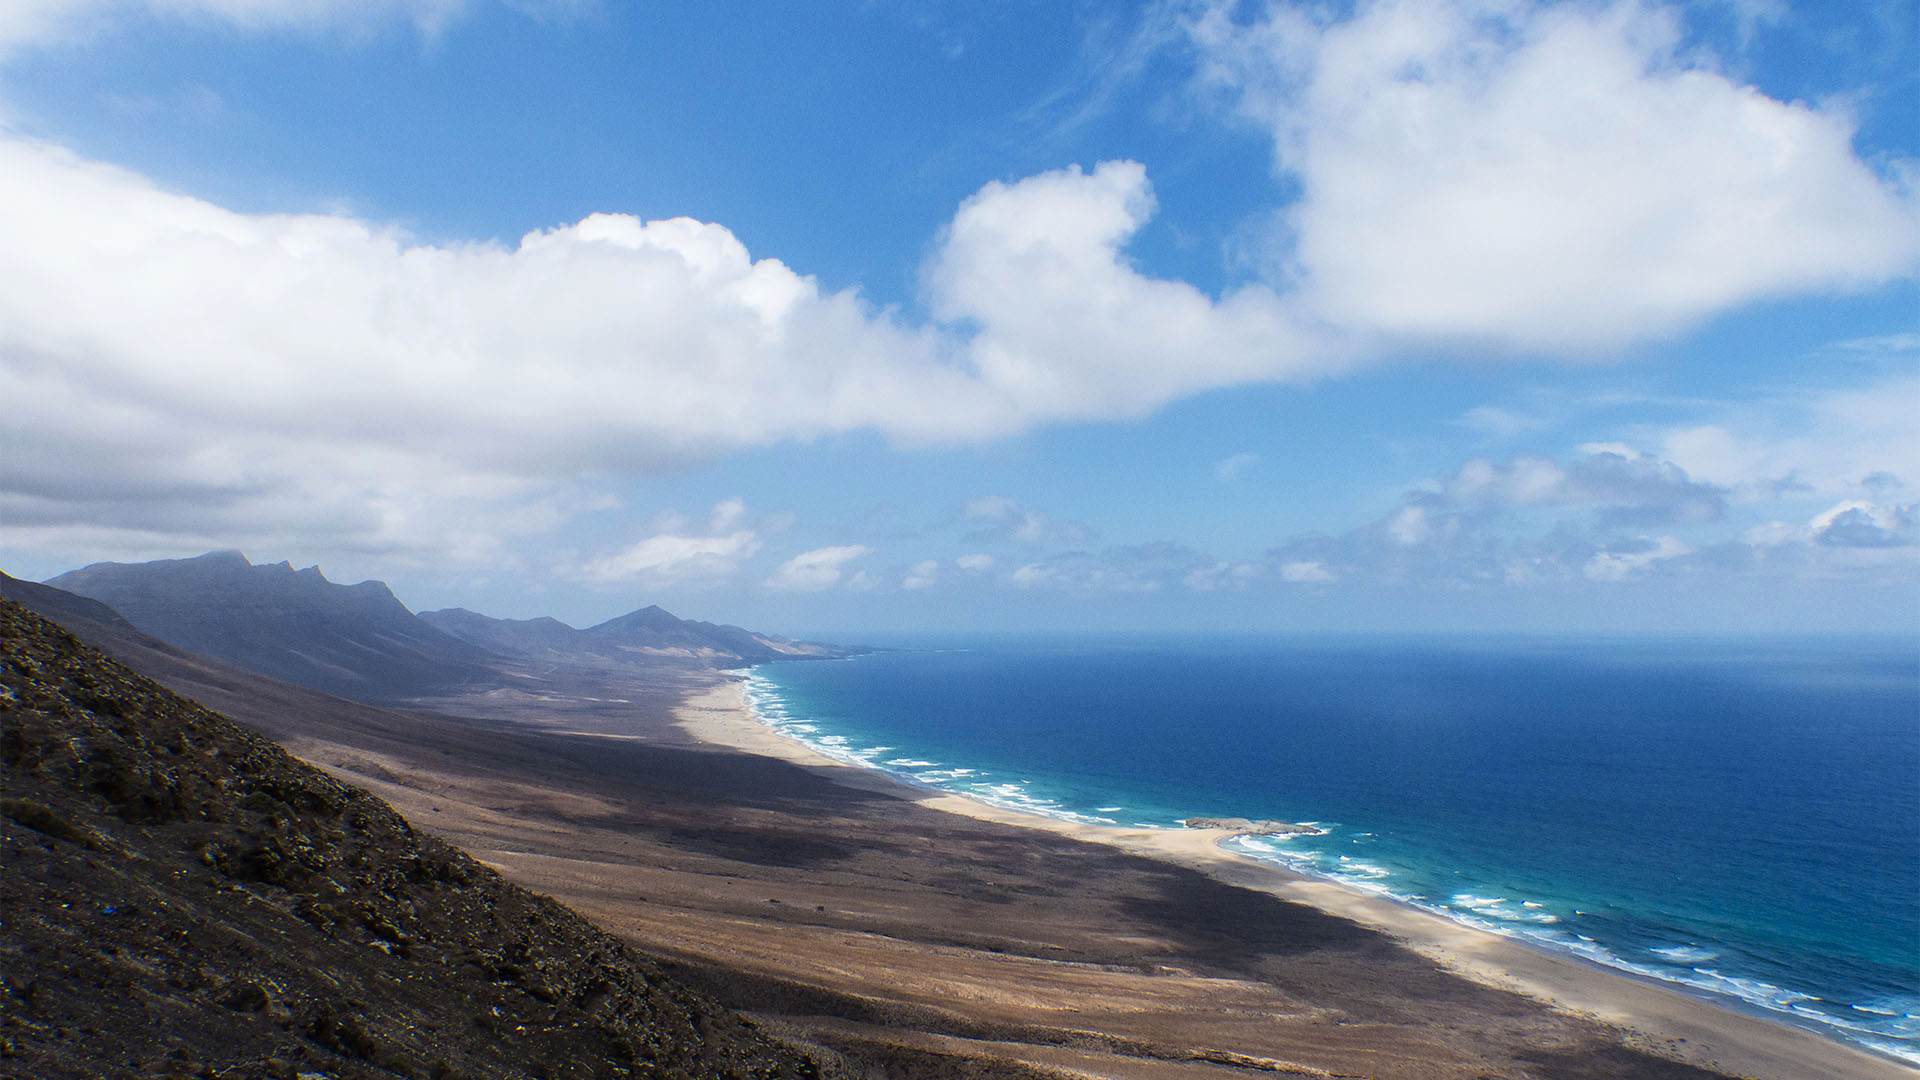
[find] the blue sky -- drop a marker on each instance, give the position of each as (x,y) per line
(884,316)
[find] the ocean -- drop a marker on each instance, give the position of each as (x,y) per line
(1738,816)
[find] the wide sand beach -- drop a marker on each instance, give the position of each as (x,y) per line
(1655,1015)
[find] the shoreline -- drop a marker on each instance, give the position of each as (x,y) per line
(1651,1014)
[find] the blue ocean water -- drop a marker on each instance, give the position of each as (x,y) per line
(1741,816)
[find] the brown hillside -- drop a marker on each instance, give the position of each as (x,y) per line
(181,897)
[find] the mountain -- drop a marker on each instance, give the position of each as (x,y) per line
(184,898)
(649,633)
(62,606)
(543,638)
(357,641)
(361,642)
(653,630)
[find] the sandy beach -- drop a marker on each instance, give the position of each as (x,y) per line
(1674,1023)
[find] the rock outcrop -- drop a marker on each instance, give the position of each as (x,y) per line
(1240,826)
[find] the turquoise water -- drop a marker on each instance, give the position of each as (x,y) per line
(1738,816)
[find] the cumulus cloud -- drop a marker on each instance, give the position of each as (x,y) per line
(1589,517)
(1497,423)
(1624,488)
(1141,568)
(1542,177)
(820,569)
(991,508)
(1528,518)
(254,363)
(681,556)
(1224,575)
(1866,525)
(1228,469)
(1132,568)
(1830,442)
(1066,325)
(1622,561)
(1004,520)
(1854,524)
(923,575)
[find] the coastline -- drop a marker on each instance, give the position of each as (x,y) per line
(1652,1015)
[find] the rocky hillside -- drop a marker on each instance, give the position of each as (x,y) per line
(183,898)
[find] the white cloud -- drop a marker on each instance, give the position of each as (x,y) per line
(1532,520)
(974,563)
(1005,520)
(1624,562)
(1133,568)
(1880,344)
(1825,442)
(1236,576)
(1032,575)
(923,575)
(727,514)
(675,560)
(1229,469)
(1859,524)
(176,372)
(819,569)
(1622,487)
(1497,423)
(1775,534)
(1527,519)
(679,557)
(1068,328)
(991,508)
(1305,572)
(1081,572)
(262,371)
(1553,177)
(1408,526)
(29,22)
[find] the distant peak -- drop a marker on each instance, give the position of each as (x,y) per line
(652,614)
(652,617)
(225,555)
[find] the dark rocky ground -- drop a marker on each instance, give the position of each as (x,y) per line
(181,897)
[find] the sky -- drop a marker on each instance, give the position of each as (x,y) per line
(877,315)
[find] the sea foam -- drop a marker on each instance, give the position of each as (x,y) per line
(1605,929)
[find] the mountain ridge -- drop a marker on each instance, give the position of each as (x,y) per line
(359,641)
(647,631)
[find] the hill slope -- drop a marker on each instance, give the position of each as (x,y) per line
(183,897)
(357,641)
